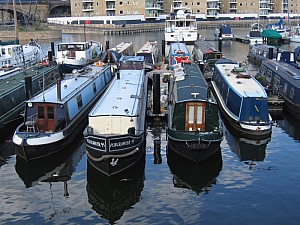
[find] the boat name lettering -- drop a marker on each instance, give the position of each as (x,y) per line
(96,143)
(121,143)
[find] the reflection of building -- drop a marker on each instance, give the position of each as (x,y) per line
(198,177)
(111,196)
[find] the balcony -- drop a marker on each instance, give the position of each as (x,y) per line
(87,8)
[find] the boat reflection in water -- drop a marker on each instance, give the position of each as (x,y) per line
(55,168)
(198,177)
(247,149)
(290,124)
(6,151)
(112,196)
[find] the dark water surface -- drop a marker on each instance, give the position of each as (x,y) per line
(246,182)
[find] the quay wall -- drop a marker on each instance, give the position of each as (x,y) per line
(27,35)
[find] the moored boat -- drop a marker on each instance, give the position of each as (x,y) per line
(194,126)
(55,116)
(124,48)
(178,53)
(279,27)
(285,80)
(17,88)
(242,100)
(181,25)
(254,37)
(151,53)
(224,31)
(76,55)
(116,127)
(260,52)
(205,54)
(14,57)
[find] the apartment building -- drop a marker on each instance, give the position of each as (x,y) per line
(152,9)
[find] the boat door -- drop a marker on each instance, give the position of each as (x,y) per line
(46,117)
(195,116)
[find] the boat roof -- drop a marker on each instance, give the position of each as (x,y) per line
(121,97)
(240,80)
(74,43)
(10,81)
(178,47)
(289,72)
(69,84)
(121,46)
(191,86)
(205,46)
(148,47)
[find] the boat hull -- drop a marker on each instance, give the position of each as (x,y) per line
(107,155)
(235,126)
(192,150)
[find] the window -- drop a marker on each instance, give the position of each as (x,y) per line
(198,3)
(121,12)
(41,113)
(135,11)
(94,88)
(135,2)
(79,101)
(292,92)
(128,3)
(50,112)
(128,11)
(121,3)
(186,3)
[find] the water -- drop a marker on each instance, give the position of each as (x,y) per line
(243,183)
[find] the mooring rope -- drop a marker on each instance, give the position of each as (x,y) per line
(111,156)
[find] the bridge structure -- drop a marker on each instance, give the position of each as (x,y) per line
(28,10)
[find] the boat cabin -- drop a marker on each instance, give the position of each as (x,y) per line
(150,51)
(178,53)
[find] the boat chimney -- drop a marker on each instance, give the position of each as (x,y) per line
(50,56)
(163,49)
(156,93)
(52,48)
(58,90)
(106,45)
(28,87)
(271,52)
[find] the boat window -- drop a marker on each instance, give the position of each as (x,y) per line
(62,47)
(41,112)
(50,112)
(79,101)
(94,88)
(79,47)
(292,92)
(276,82)
(285,87)
(269,75)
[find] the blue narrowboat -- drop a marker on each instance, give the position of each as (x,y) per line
(57,115)
(242,100)
(285,79)
(261,52)
(194,126)
(116,125)
(178,52)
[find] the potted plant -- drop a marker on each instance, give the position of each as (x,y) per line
(166,78)
(157,66)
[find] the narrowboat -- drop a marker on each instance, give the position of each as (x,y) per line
(181,25)
(224,31)
(260,52)
(285,80)
(124,48)
(242,100)
(205,54)
(113,55)
(76,55)
(198,177)
(111,197)
(178,52)
(194,126)
(151,53)
(55,117)
(19,87)
(116,124)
